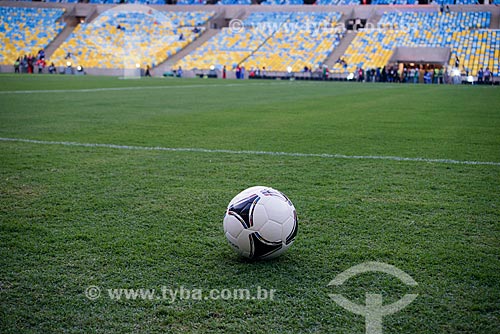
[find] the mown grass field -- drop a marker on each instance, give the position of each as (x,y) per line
(76,216)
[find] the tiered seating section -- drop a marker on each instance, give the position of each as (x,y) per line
(303,40)
(466,2)
(121,39)
(441,22)
(62,1)
(282,2)
(337,2)
(370,49)
(394,2)
(230,46)
(274,2)
(191,2)
(477,49)
(138,2)
(58,1)
(234,2)
(275,40)
(27,30)
(445,2)
(373,48)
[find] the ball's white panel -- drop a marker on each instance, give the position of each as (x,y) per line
(277,209)
(259,217)
(288,227)
(244,241)
(245,254)
(271,231)
(246,193)
(232,225)
(233,242)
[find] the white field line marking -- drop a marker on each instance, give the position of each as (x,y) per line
(286,154)
(93,90)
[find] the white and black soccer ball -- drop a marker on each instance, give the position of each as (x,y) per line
(260,223)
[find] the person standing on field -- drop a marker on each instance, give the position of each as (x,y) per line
(487,75)
(480,76)
(16,65)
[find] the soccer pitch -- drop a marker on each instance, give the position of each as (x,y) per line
(111,184)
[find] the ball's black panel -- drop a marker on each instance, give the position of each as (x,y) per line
(292,234)
(242,209)
(261,247)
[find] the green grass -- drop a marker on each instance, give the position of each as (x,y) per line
(72,217)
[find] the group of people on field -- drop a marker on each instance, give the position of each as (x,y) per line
(30,63)
(416,74)
(484,76)
(401,75)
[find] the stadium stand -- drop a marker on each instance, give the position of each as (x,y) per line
(466,2)
(338,2)
(383,2)
(226,48)
(303,40)
(444,22)
(266,19)
(231,46)
(282,2)
(62,1)
(139,2)
(373,48)
(445,2)
(191,2)
(27,30)
(393,2)
(147,2)
(122,38)
(477,49)
(275,40)
(234,2)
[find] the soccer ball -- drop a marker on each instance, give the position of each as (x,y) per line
(260,223)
